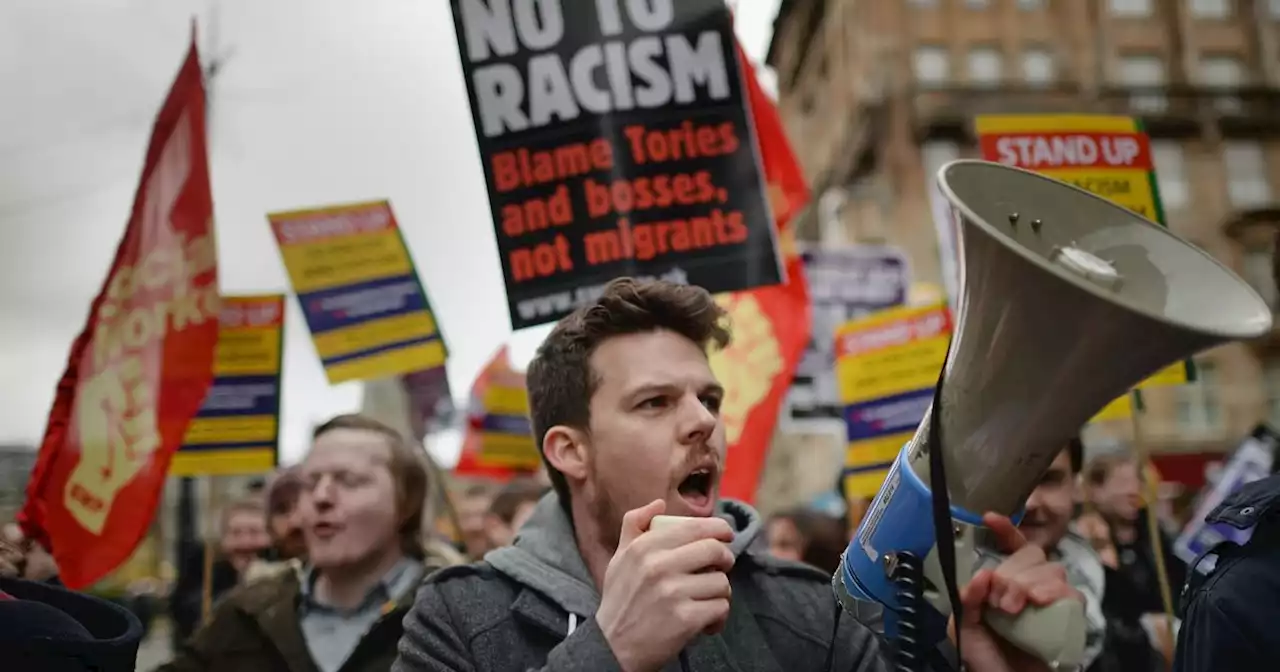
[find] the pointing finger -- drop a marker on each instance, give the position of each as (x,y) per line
(1008,538)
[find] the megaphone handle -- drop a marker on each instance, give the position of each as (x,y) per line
(1053,633)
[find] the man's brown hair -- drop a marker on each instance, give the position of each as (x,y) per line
(408,472)
(560,380)
(282,491)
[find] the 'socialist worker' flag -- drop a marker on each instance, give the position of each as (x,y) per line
(140,369)
(771,325)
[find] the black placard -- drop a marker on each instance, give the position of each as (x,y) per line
(616,141)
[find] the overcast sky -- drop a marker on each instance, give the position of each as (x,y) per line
(319,102)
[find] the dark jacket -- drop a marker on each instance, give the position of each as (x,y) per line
(1126,645)
(1233,604)
(256,629)
(530,607)
(46,628)
(1138,565)
(186,600)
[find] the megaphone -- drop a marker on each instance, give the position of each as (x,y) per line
(1066,302)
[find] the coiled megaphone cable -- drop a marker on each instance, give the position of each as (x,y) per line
(908,578)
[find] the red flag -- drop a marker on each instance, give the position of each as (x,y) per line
(140,369)
(771,324)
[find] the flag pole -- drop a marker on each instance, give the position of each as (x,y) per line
(212,499)
(1152,494)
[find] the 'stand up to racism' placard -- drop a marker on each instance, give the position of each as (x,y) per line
(367,311)
(615,141)
(887,365)
(236,430)
(1107,155)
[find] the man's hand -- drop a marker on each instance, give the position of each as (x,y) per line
(664,587)
(13,559)
(24,558)
(1093,528)
(1025,577)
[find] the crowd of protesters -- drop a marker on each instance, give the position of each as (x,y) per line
(334,566)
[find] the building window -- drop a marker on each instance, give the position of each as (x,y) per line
(1248,185)
(1274,6)
(1130,7)
(977,4)
(1257,271)
(1032,5)
(1211,9)
(1225,74)
(1145,73)
(925,3)
(1037,67)
(1271,387)
(1199,409)
(984,67)
(932,66)
(1171,174)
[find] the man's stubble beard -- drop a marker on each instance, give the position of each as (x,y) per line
(605,512)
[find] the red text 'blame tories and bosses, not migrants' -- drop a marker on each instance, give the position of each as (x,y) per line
(616,141)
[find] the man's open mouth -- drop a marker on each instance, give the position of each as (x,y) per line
(696,487)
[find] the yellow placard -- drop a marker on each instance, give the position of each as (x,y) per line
(374,334)
(891,352)
(349,260)
(236,430)
(887,366)
(232,429)
(365,306)
(416,357)
(864,484)
(1009,124)
(259,460)
(879,450)
(506,400)
(516,451)
(1119,409)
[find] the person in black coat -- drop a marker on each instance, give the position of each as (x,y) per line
(1232,600)
(46,628)
(243,537)
(186,601)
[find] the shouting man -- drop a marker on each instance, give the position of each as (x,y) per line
(626,410)
(360,506)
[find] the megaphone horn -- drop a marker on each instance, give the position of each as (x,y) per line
(1067,301)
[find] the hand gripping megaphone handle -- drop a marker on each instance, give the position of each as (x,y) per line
(1054,633)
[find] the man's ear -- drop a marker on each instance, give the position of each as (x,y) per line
(566,449)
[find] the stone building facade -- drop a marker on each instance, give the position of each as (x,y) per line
(877,94)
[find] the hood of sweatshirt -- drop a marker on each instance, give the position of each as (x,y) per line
(545,555)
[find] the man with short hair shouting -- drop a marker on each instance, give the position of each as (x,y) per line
(626,411)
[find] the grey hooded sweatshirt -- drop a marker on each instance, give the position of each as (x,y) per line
(531,606)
